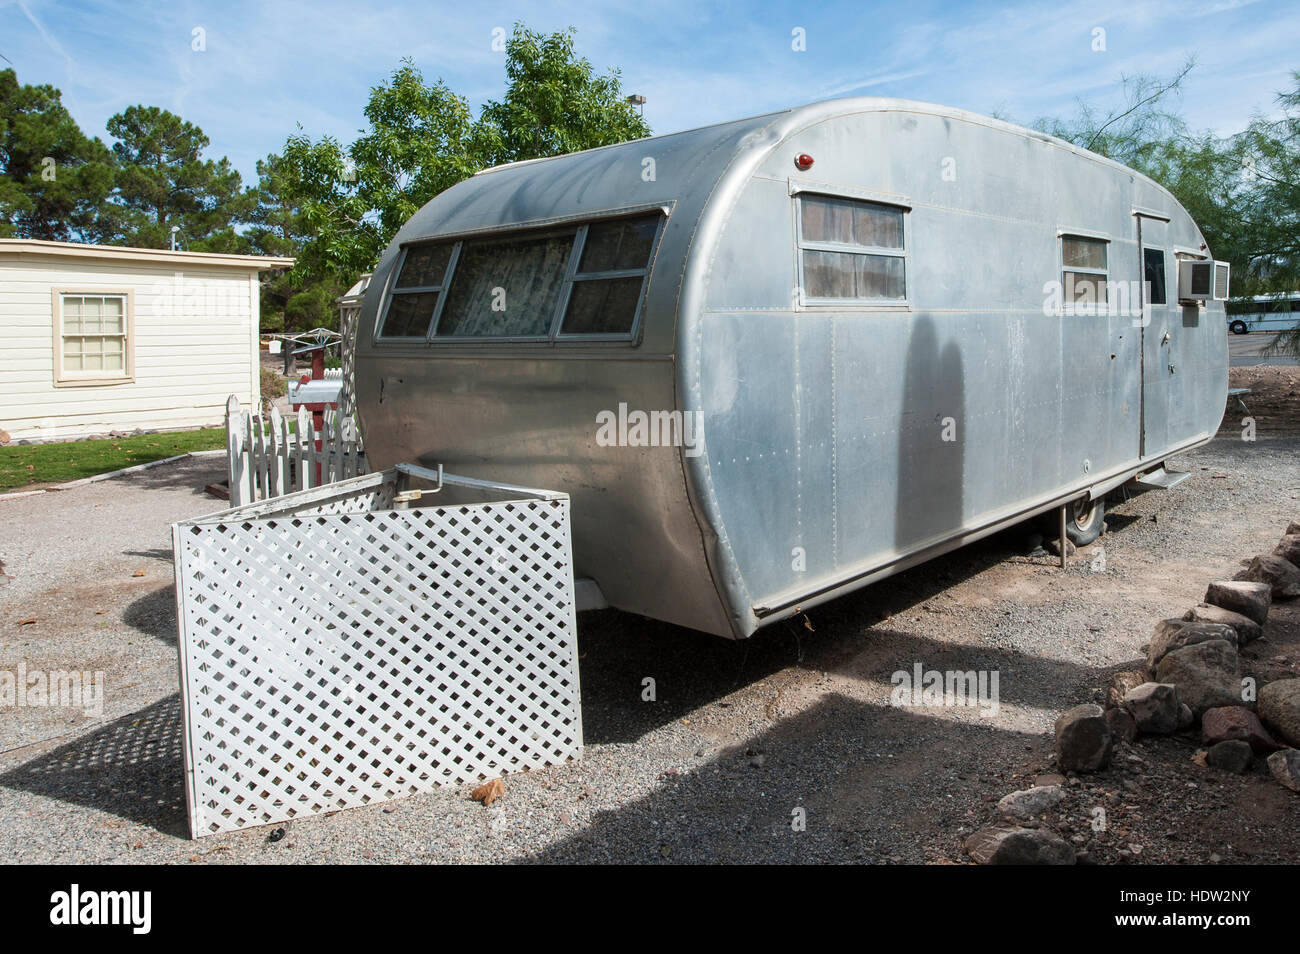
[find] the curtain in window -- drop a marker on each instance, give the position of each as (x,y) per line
(520,278)
(851,222)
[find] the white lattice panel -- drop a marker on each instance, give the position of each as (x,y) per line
(336,659)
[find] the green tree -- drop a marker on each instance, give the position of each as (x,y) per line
(354,199)
(164,181)
(53,178)
(1204,174)
(1135,130)
(555,103)
(1270,167)
(423,139)
(291,300)
(322,182)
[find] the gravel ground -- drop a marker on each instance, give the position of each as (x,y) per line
(743,734)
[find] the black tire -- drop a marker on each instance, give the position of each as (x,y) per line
(1084,520)
(1238,328)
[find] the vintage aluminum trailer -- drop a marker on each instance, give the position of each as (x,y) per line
(777,359)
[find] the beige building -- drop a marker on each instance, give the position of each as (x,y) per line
(95,338)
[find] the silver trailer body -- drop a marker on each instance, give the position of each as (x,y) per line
(869,345)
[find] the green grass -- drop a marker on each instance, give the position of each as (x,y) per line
(57,463)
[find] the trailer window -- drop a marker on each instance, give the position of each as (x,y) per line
(416,290)
(1153,263)
(576,281)
(506,288)
(610,274)
(851,249)
(1084,270)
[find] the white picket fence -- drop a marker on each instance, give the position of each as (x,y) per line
(270,456)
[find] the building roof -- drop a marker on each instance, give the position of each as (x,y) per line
(24,248)
(354,294)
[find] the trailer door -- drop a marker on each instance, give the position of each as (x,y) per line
(1155,331)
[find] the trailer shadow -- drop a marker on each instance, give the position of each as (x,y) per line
(931,441)
(850,635)
(873,782)
(130,768)
(616,709)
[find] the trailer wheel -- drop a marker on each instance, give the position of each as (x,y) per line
(1084,520)
(1238,328)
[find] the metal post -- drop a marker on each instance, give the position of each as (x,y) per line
(1063,540)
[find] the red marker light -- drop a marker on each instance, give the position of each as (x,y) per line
(803,161)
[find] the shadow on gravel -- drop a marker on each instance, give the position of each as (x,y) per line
(873,781)
(1115,522)
(154,615)
(157,553)
(618,651)
(132,768)
(194,473)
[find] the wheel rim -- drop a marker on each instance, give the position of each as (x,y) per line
(1083,512)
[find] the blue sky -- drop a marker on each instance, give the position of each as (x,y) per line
(270,67)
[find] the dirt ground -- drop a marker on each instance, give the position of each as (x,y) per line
(742,734)
(1273,400)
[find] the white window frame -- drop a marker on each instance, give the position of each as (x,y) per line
(1077,308)
(802,245)
(64,378)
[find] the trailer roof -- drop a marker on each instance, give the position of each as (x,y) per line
(686,165)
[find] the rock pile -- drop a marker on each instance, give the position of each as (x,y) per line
(1193,675)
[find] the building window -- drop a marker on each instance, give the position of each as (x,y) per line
(1083,270)
(1153,263)
(851,250)
(92,337)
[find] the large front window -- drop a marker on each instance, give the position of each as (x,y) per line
(582,281)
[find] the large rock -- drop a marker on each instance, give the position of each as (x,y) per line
(1288,548)
(1235,722)
(1206,674)
(1083,739)
(1120,683)
(1019,846)
(1030,802)
(1279,707)
(1171,634)
(1248,599)
(1292,527)
(1247,629)
(1232,756)
(1122,726)
(1154,707)
(1281,575)
(1284,765)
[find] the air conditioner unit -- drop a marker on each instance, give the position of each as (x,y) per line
(1202,280)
